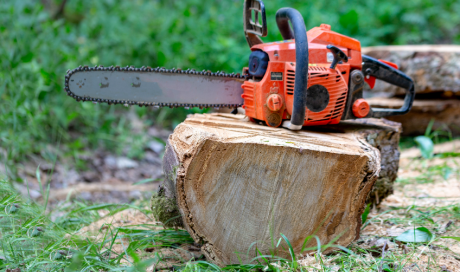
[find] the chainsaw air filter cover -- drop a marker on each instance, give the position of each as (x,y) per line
(317,98)
(258,62)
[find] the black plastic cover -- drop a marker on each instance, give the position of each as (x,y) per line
(258,62)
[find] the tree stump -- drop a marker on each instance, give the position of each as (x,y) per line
(238,185)
(435,69)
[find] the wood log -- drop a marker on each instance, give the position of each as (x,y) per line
(434,68)
(444,113)
(239,185)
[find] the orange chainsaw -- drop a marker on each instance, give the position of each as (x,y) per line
(310,78)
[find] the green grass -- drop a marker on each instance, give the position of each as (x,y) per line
(30,240)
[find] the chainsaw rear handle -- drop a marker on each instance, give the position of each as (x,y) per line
(382,71)
(299,33)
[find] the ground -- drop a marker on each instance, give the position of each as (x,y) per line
(100,176)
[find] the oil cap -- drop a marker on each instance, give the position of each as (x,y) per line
(275,102)
(361,108)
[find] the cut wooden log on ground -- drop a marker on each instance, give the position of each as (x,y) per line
(238,185)
(434,68)
(445,113)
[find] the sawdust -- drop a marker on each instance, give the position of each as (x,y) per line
(171,257)
(126,218)
(316,262)
(97,230)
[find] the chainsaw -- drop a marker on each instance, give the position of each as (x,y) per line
(308,79)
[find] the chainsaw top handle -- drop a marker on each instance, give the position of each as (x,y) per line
(382,71)
(299,33)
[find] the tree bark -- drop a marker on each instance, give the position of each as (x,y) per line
(239,185)
(435,69)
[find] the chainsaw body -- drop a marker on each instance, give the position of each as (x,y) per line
(331,74)
(271,98)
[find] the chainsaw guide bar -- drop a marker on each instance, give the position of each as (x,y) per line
(157,87)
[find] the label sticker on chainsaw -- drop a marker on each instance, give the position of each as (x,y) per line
(330,57)
(277,76)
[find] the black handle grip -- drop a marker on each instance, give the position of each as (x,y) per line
(382,71)
(283,16)
(338,55)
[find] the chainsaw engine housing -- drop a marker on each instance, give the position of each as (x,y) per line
(271,97)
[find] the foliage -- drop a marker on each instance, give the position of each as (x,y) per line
(416,235)
(37,49)
(365,213)
(426,146)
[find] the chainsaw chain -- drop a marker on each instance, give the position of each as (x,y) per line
(152,70)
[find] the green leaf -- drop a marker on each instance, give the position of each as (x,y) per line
(451,237)
(418,235)
(446,172)
(365,213)
(425,144)
(349,20)
(429,127)
(27,57)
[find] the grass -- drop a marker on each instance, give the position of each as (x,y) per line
(31,241)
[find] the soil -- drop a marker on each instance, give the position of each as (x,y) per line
(106,178)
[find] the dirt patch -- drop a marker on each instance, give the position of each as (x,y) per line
(100,191)
(86,175)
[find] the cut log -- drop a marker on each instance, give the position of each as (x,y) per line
(239,185)
(444,113)
(434,68)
